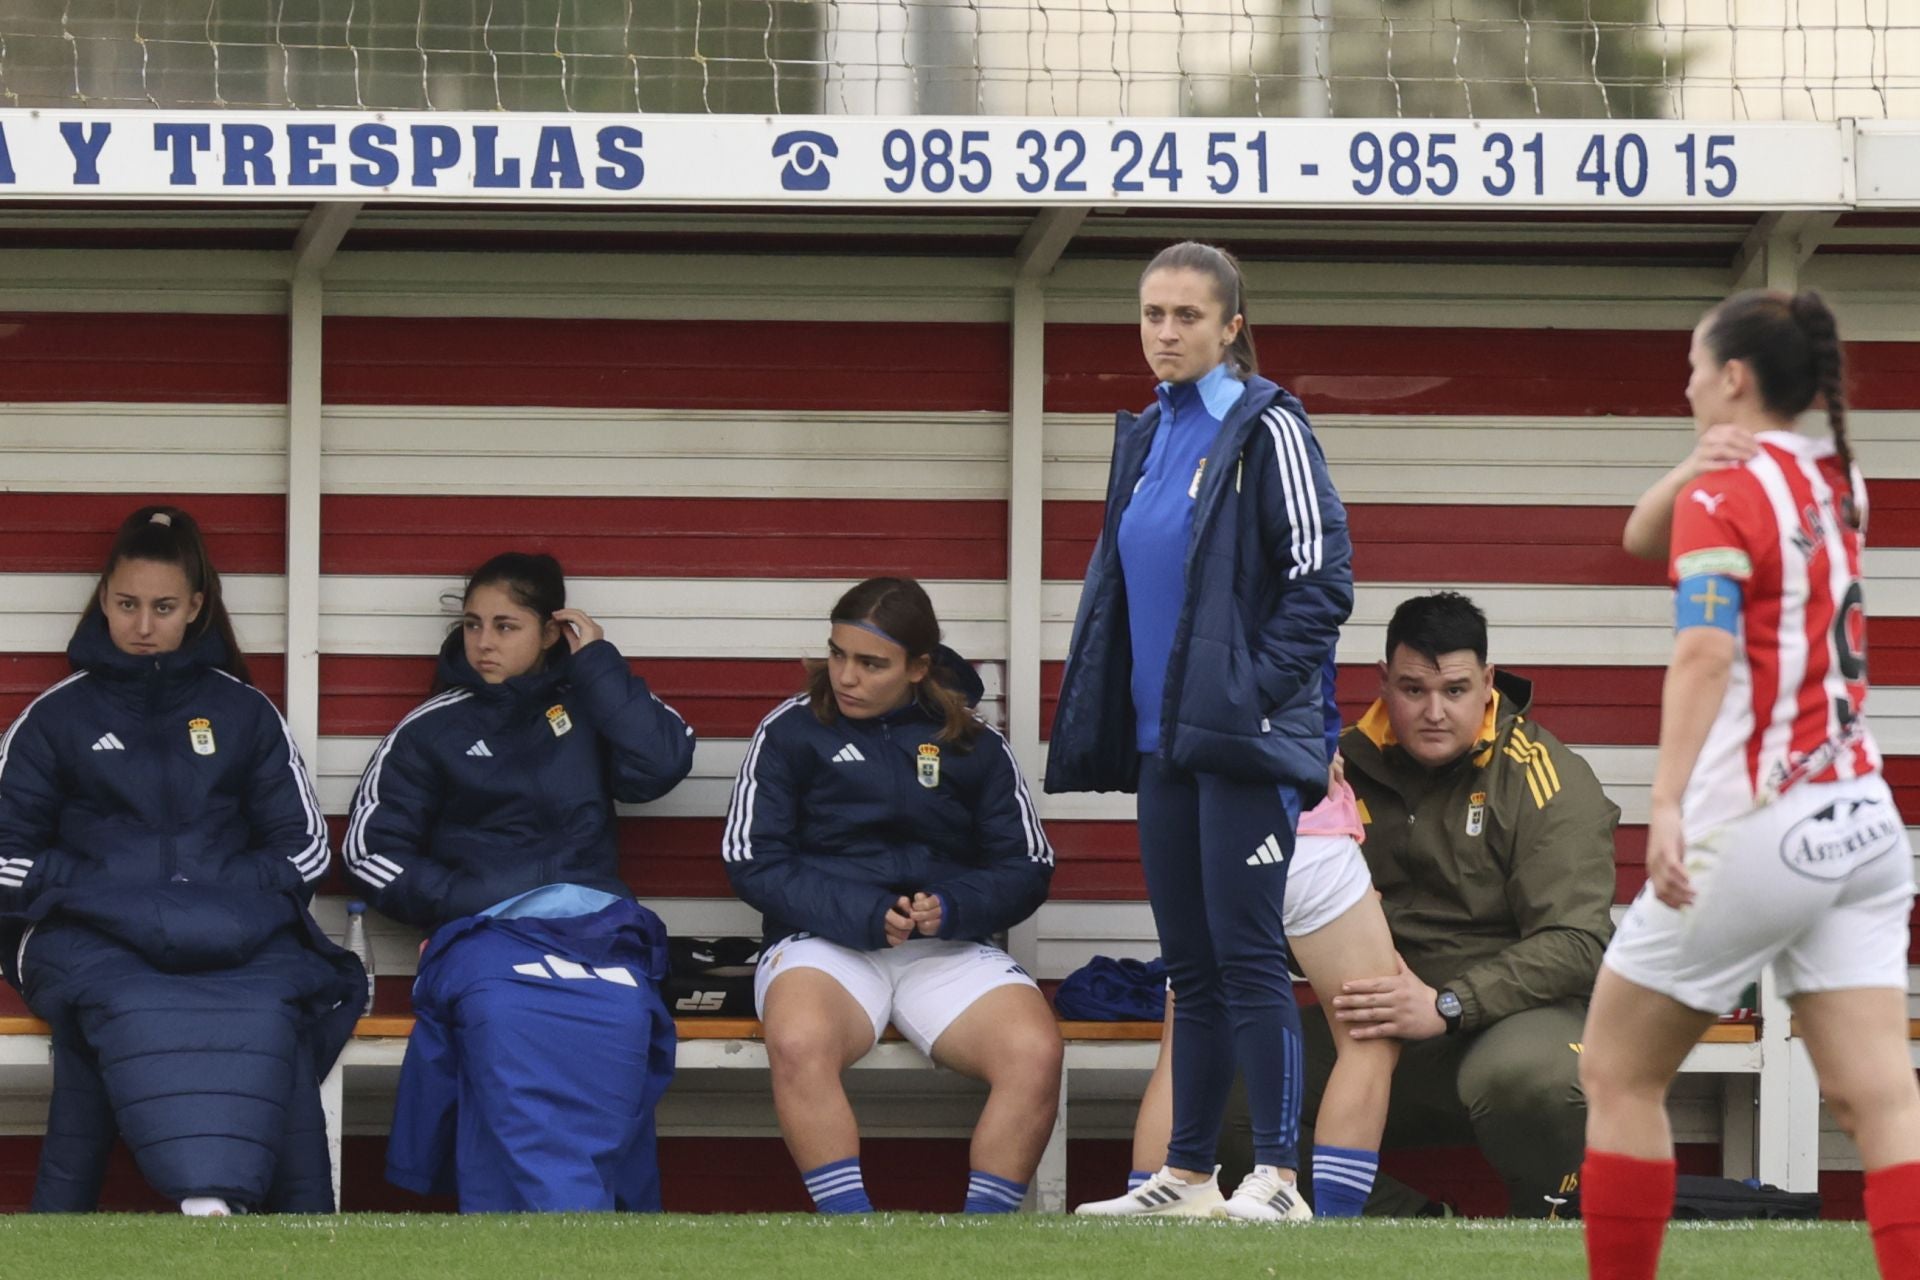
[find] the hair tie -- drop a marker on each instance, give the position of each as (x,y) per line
(160,517)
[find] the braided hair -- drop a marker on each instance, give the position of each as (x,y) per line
(1792,344)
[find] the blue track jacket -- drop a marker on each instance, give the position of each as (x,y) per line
(487,791)
(831,823)
(1269,582)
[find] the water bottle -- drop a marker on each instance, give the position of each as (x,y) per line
(357,943)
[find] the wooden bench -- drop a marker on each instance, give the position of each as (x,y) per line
(1120,1051)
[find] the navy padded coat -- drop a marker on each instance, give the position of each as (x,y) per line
(831,823)
(158,842)
(486,791)
(145,769)
(1269,582)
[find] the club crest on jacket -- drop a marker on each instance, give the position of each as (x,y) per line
(200,734)
(1476,813)
(557,720)
(929,770)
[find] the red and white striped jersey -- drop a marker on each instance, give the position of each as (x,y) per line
(1795,708)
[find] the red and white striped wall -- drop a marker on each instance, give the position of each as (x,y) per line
(715,447)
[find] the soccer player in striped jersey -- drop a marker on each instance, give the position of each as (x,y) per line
(1772,836)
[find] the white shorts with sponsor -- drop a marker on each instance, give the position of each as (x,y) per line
(1327,876)
(1819,883)
(920,986)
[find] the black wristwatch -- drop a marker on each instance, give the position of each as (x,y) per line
(1447,1005)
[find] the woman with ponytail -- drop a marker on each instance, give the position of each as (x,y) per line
(540,1042)
(159,842)
(1772,838)
(886,834)
(1198,675)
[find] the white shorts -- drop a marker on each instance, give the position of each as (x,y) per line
(1819,883)
(920,986)
(1327,876)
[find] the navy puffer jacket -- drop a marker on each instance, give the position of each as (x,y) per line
(1269,581)
(142,770)
(489,790)
(831,823)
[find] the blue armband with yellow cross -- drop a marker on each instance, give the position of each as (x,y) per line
(1707,600)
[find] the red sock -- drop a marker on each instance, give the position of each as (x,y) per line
(1625,1204)
(1893,1210)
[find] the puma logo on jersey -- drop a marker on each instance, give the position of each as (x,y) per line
(1267,853)
(479,748)
(1711,501)
(576,972)
(109,743)
(848,754)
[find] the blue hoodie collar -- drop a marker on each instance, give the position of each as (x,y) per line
(1218,390)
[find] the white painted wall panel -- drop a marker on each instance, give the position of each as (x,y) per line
(641,453)
(143,448)
(43,608)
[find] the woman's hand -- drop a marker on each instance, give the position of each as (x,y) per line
(579,629)
(1667,857)
(926,914)
(1722,445)
(1336,773)
(899,922)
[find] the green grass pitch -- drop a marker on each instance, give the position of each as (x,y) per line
(903,1246)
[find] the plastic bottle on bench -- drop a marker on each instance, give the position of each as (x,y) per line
(357,943)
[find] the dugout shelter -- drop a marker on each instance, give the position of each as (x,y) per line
(723,366)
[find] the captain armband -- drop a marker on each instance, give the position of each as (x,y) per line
(1707,600)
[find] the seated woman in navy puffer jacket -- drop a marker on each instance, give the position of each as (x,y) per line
(159,841)
(885,833)
(541,1043)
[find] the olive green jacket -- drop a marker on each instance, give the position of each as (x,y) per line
(1496,871)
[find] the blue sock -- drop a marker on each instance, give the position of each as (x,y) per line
(988,1194)
(1137,1178)
(1342,1179)
(837,1188)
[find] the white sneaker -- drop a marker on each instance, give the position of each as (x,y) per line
(1163,1195)
(205,1207)
(1264,1196)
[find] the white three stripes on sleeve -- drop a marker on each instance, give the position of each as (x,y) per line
(736,842)
(1306,543)
(1038,850)
(13,871)
(311,861)
(371,867)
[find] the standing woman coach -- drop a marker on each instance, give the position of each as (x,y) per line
(1207,622)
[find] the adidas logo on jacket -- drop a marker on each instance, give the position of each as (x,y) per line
(830,824)
(486,791)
